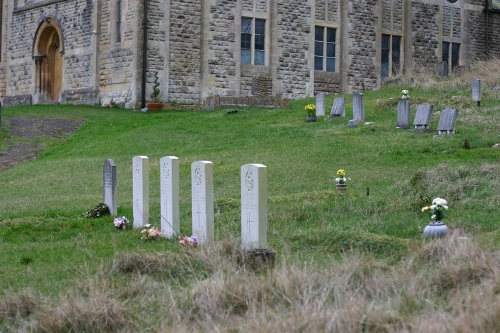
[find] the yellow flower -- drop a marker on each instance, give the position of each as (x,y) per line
(341,172)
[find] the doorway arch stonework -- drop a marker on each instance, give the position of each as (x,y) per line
(48,50)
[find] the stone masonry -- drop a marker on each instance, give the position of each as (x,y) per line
(91,51)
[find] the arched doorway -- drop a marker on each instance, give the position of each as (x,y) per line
(48,53)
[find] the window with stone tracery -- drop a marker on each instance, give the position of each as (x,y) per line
(253,41)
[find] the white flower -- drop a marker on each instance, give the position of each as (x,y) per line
(404,92)
(147,225)
(433,217)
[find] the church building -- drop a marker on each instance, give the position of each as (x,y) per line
(95,51)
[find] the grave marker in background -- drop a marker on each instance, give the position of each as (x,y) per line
(202,201)
(447,122)
(476,91)
(140,196)
(169,196)
(423,116)
(338,108)
(109,185)
(358,109)
(403,114)
(254,206)
(320,104)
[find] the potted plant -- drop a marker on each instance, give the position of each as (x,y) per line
(155,104)
(436,228)
(341,180)
(311,113)
(112,103)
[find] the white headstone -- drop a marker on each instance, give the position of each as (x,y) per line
(476,90)
(254,206)
(320,104)
(140,195)
(403,120)
(338,108)
(109,184)
(202,201)
(169,196)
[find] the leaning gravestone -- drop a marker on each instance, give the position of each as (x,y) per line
(403,120)
(423,117)
(476,91)
(109,184)
(254,206)
(202,201)
(338,108)
(447,122)
(140,195)
(320,104)
(169,196)
(358,109)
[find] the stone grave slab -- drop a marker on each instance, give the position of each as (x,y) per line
(447,121)
(403,119)
(109,185)
(140,191)
(320,104)
(338,108)
(202,201)
(358,110)
(423,117)
(476,91)
(169,196)
(254,206)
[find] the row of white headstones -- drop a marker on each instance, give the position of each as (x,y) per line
(253,199)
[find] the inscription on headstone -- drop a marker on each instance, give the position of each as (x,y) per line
(476,91)
(403,120)
(254,206)
(423,116)
(338,108)
(320,104)
(140,195)
(169,196)
(202,201)
(447,121)
(109,184)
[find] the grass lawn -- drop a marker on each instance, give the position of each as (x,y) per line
(47,248)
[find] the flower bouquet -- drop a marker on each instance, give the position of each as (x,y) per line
(188,241)
(120,222)
(150,233)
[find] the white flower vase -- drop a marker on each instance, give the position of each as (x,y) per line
(341,187)
(435,229)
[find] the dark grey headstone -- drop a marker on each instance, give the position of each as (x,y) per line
(338,108)
(476,90)
(358,109)
(447,121)
(403,114)
(423,116)
(443,69)
(109,183)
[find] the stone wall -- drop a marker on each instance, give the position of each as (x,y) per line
(185,51)
(293,35)
(362,22)
(424,35)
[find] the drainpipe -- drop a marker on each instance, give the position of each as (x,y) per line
(144,52)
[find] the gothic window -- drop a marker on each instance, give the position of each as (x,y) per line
(253,41)
(118,21)
(324,48)
(390,55)
(451,54)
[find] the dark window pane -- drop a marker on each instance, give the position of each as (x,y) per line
(260,27)
(330,35)
(330,50)
(318,48)
(385,70)
(455,55)
(318,33)
(318,63)
(246,41)
(446,52)
(246,25)
(385,63)
(259,42)
(385,42)
(396,54)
